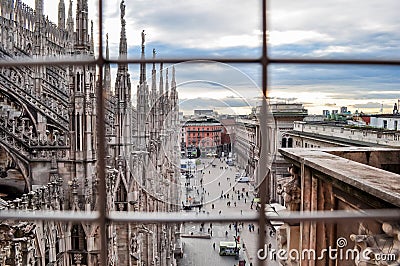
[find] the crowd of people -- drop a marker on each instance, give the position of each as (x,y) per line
(233,197)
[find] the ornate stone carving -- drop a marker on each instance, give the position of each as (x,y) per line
(133,246)
(291,191)
(17,243)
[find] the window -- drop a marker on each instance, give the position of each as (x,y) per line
(290,143)
(283,142)
(78,81)
(78,237)
(385,124)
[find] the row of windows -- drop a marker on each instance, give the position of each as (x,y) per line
(395,125)
(287,143)
(202,129)
(307,145)
(203,134)
(215,139)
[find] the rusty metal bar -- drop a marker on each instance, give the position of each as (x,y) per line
(101,160)
(172,217)
(70,60)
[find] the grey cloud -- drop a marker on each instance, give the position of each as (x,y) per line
(331,104)
(362,29)
(211,103)
(371,105)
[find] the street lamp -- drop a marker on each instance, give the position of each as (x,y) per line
(237,239)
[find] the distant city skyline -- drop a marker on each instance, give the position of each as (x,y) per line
(332,29)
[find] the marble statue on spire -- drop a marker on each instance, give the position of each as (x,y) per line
(122,6)
(143,36)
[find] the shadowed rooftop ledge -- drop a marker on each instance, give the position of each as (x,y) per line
(364,168)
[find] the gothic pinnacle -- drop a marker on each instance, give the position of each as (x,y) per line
(123,46)
(142,64)
(61,15)
(82,23)
(70,21)
(173,74)
(91,37)
(161,80)
(154,57)
(153,76)
(107,49)
(107,70)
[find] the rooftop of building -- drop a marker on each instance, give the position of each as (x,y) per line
(381,115)
(285,109)
(228,121)
(335,139)
(344,124)
(249,121)
(202,120)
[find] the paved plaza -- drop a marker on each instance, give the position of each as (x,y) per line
(213,178)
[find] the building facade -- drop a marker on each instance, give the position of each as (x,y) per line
(247,145)
(389,122)
(228,134)
(279,119)
(203,133)
(48,151)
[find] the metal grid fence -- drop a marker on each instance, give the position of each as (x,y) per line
(102,217)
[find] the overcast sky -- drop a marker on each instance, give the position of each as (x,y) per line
(360,29)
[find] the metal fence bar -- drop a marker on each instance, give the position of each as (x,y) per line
(288,217)
(334,61)
(62,61)
(50,215)
(263,191)
(101,163)
(160,217)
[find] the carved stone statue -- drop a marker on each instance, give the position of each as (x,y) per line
(291,191)
(133,244)
(143,37)
(122,6)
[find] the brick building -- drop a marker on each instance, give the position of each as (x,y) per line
(204,133)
